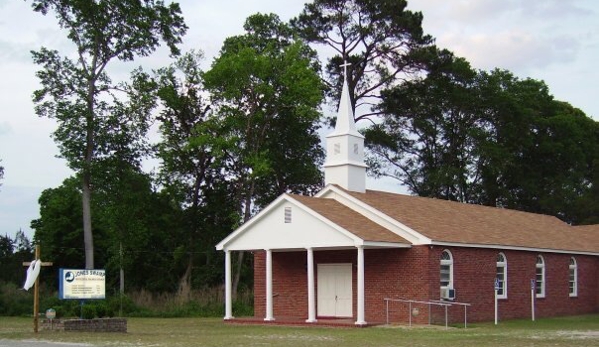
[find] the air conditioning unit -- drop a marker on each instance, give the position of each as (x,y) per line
(447,293)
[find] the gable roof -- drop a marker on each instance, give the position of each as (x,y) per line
(350,220)
(340,218)
(318,223)
(449,222)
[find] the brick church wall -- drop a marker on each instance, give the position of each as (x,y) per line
(414,274)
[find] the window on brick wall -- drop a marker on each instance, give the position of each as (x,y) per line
(540,277)
(446,270)
(501,275)
(573,277)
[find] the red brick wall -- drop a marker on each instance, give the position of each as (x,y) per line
(474,275)
(290,284)
(259,284)
(414,274)
(396,274)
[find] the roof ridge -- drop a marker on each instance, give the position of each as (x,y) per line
(464,204)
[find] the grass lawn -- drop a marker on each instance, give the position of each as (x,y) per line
(569,331)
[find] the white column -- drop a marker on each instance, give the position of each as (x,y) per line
(269,310)
(228,300)
(360,320)
(311,296)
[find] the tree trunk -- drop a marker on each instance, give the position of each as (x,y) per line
(88,239)
(246,216)
(184,291)
(237,276)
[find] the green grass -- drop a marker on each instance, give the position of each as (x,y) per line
(570,331)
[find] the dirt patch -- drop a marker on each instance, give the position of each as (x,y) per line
(590,334)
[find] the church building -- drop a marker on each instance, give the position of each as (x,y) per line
(374,257)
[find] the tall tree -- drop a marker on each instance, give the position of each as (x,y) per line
(382,40)
(188,173)
(265,93)
(426,136)
(487,138)
(552,170)
(80,94)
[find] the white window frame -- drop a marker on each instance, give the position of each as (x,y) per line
(446,262)
(573,277)
(540,282)
(501,264)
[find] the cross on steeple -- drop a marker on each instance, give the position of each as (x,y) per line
(344,66)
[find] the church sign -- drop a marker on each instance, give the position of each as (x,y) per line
(82,284)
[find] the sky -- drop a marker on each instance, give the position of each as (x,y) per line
(555,41)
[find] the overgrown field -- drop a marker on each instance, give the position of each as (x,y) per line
(572,331)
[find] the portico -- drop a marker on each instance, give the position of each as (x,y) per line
(329,285)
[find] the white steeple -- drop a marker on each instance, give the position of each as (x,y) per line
(344,163)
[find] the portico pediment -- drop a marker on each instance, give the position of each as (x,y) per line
(287,224)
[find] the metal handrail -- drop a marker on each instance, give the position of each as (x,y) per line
(430,303)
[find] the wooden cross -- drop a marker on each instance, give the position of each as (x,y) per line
(36,290)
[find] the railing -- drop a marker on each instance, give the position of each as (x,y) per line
(429,303)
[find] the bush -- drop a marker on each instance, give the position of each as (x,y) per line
(63,308)
(208,302)
(88,311)
(14,301)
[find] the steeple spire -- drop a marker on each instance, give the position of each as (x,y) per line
(344,164)
(345,115)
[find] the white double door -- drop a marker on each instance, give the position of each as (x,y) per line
(334,290)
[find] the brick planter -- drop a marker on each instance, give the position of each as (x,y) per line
(100,325)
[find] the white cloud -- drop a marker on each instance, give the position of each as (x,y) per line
(5,128)
(513,49)
(555,9)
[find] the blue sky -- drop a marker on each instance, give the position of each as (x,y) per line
(552,40)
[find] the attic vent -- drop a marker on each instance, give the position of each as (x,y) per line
(337,148)
(356,148)
(287,214)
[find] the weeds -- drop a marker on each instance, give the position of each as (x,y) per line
(208,302)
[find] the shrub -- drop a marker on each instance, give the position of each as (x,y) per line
(14,301)
(207,302)
(88,311)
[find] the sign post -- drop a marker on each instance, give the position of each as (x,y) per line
(532,298)
(496,304)
(36,286)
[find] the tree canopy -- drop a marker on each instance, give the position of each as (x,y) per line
(381,39)
(97,118)
(486,138)
(13,252)
(265,94)
(189,175)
